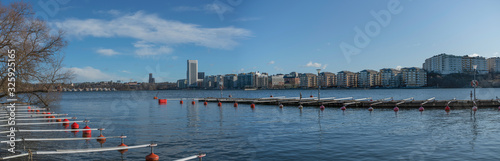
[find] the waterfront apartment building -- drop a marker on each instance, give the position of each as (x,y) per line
(230,81)
(192,73)
(493,64)
(246,80)
(390,78)
(276,81)
(444,64)
(261,80)
(368,78)
(469,62)
(308,80)
(413,77)
(347,79)
(182,83)
(210,82)
(292,80)
(327,79)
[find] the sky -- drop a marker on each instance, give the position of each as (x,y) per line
(126,40)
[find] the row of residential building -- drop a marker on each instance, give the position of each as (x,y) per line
(449,64)
(406,77)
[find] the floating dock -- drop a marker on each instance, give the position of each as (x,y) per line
(333,102)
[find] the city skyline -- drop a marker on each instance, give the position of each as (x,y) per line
(114,41)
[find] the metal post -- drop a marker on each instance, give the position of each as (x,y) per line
(319,86)
(475,82)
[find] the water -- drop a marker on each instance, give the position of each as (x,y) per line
(271,133)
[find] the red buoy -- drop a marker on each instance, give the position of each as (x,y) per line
(370,109)
(281,105)
(343,108)
(181,102)
(65,122)
(205,103)
(447,108)
(474,108)
(193,102)
(311,96)
(86,135)
(152,157)
(421,109)
(271,96)
(235,104)
(37,111)
(124,150)
(396,109)
(219,104)
(75,125)
(162,101)
(87,131)
(322,107)
(252,105)
(155,98)
(48,113)
(58,120)
(29,107)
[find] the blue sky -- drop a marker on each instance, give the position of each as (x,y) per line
(125,40)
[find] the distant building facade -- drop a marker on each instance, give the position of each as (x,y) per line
(346,79)
(443,64)
(151,79)
(308,80)
(493,64)
(182,83)
(367,78)
(390,77)
(413,77)
(469,62)
(327,79)
(192,73)
(230,81)
(276,81)
(292,80)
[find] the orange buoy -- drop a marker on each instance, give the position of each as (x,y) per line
(37,111)
(101,140)
(219,104)
(29,107)
(75,125)
(370,109)
(124,150)
(396,109)
(181,102)
(271,95)
(311,96)
(152,157)
(447,108)
(58,120)
(155,98)
(235,104)
(343,108)
(48,113)
(87,131)
(205,103)
(192,102)
(44,113)
(162,101)
(252,105)
(86,135)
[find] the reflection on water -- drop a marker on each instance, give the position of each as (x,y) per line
(271,133)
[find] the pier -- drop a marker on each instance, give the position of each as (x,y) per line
(359,103)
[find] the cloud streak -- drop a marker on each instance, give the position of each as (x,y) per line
(107,52)
(153,30)
(311,64)
(89,74)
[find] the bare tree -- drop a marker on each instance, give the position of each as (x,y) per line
(38,49)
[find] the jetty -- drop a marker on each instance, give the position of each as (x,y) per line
(358,102)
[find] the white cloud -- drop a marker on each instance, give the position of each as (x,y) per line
(148,49)
(89,74)
(399,67)
(311,64)
(474,55)
(218,8)
(271,62)
(107,52)
(124,71)
(278,68)
(324,66)
(152,30)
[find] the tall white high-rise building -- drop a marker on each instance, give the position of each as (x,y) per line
(192,73)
